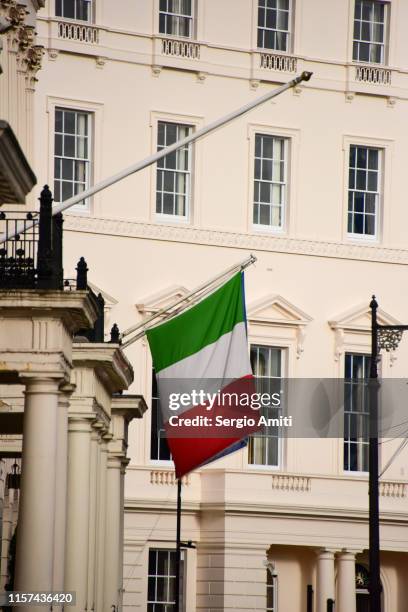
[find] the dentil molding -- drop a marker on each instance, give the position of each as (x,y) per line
(258,242)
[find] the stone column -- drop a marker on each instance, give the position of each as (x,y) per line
(101,522)
(78,496)
(346,582)
(93,509)
(61,461)
(325,579)
(35,533)
(113,555)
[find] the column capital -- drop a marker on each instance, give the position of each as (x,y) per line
(41,384)
(326,553)
(347,552)
(79,423)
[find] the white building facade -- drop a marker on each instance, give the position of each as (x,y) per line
(314,185)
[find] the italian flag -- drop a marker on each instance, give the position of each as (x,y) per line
(204,349)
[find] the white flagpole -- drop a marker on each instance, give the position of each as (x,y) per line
(194,293)
(148,161)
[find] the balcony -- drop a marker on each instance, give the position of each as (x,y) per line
(280,63)
(180,48)
(373,74)
(78,32)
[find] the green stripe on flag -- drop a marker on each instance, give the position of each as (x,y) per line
(199,326)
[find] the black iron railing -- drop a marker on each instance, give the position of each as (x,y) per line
(18,255)
(31,256)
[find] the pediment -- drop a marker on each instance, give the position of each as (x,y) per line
(164,299)
(109,300)
(276,310)
(359,319)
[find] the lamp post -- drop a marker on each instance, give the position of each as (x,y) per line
(385,337)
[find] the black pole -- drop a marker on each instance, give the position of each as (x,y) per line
(178,547)
(374,516)
(309,598)
(330,605)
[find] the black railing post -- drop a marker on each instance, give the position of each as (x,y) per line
(115,334)
(374,514)
(309,598)
(44,256)
(330,605)
(99,328)
(82,275)
(58,271)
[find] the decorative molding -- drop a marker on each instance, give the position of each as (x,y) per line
(300,484)
(166,477)
(349,96)
(393,489)
(358,319)
(391,102)
(100,61)
(53,54)
(151,304)
(201,76)
(276,311)
(254,84)
(156,70)
(258,242)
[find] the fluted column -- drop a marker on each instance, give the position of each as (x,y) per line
(35,534)
(61,461)
(325,579)
(78,492)
(346,582)
(113,555)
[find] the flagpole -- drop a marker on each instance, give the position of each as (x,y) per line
(201,288)
(178,547)
(151,159)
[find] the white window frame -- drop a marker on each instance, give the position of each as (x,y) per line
(77,20)
(192,18)
(377,194)
(183,574)
(289,46)
(283,184)
(283,358)
(386,30)
(95,109)
(360,442)
(193,210)
(156,461)
(187,173)
(87,160)
(292,141)
(385,201)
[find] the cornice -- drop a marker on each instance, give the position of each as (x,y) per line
(255,242)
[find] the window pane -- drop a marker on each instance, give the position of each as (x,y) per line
(270,166)
(172,194)
(71,152)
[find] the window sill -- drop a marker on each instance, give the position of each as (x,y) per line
(362,239)
(268,229)
(171,219)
